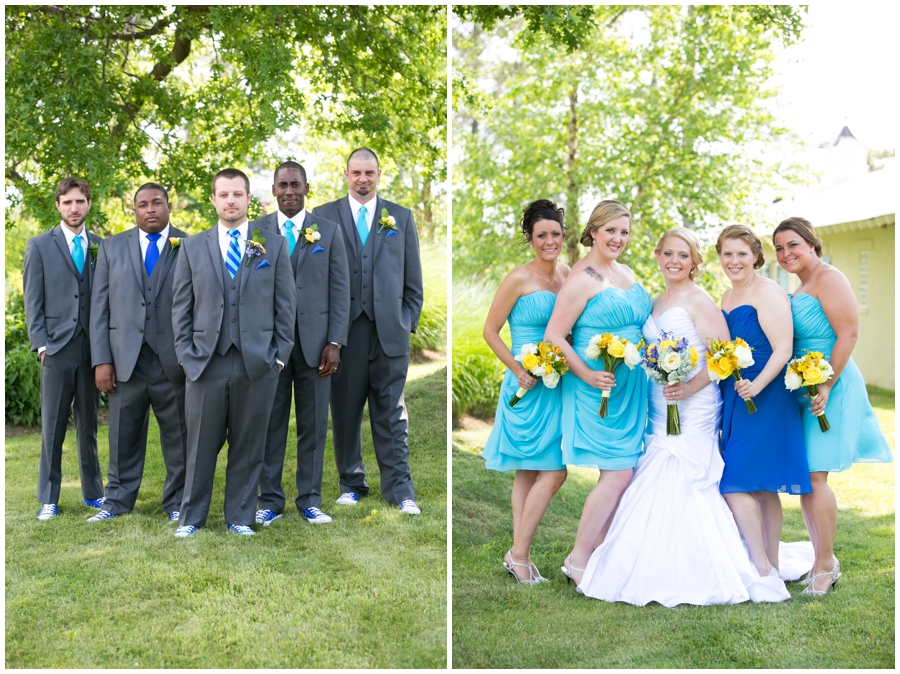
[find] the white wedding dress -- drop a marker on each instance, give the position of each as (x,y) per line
(673,539)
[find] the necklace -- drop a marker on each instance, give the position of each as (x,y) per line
(734,289)
(809,275)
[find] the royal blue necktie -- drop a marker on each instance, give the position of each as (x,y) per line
(289,235)
(78,254)
(233,257)
(361,226)
(152,253)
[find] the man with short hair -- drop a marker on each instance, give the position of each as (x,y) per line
(233,310)
(133,351)
(385,303)
(57,282)
(319,264)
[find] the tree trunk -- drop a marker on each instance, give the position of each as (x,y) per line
(573,191)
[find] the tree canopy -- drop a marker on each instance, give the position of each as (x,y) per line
(121,94)
(665,108)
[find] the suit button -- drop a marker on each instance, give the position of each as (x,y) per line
(148,287)
(366,256)
(364,301)
(364,287)
(81,280)
(140,331)
(142,304)
(232,304)
(148,317)
(74,320)
(354,271)
(76,297)
(82,294)
(232,320)
(221,305)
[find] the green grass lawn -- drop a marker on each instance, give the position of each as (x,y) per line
(368,590)
(499,624)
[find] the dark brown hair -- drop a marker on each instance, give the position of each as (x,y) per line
(72,183)
(748,236)
(230,174)
(542,209)
(803,228)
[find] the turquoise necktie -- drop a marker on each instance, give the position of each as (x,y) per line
(78,254)
(289,235)
(362,226)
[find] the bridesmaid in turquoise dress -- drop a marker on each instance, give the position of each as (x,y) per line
(600,296)
(764,453)
(527,438)
(826,319)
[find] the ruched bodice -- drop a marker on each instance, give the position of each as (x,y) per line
(614,442)
(529,435)
(765,451)
(855,435)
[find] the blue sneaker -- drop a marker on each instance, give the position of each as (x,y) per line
(241,530)
(95,503)
(315,516)
(266,517)
(174,515)
(348,498)
(48,510)
(409,507)
(102,515)
(184,532)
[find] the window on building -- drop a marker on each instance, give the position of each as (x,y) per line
(863,279)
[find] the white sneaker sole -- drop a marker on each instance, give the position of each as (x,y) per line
(319,520)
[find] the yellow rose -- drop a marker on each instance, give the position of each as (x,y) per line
(605,339)
(694,356)
(722,367)
(530,361)
(616,348)
(667,344)
(548,369)
(814,375)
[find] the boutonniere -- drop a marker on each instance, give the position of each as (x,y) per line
(174,244)
(94,250)
(387,220)
(255,246)
(310,234)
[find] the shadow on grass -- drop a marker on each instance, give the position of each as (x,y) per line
(499,624)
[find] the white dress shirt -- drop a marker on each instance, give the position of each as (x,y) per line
(370,209)
(225,238)
(297,220)
(160,242)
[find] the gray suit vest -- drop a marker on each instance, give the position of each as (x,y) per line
(230,332)
(84,302)
(150,322)
(363,296)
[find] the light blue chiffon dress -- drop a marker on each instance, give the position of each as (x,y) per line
(614,442)
(529,435)
(855,436)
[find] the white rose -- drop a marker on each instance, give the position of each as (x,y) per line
(551,380)
(826,368)
(592,351)
(632,355)
(316,236)
(538,371)
(744,356)
(671,362)
(792,380)
(525,350)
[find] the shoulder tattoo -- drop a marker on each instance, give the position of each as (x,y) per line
(593,273)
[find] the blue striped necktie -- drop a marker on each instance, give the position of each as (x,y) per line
(233,257)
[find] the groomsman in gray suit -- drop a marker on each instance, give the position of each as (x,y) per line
(133,351)
(57,280)
(319,263)
(233,313)
(385,304)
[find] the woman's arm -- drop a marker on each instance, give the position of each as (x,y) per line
(710,323)
(774,311)
(507,295)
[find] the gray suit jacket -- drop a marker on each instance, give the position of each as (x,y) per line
(397,278)
(268,304)
(51,289)
(118,315)
(323,286)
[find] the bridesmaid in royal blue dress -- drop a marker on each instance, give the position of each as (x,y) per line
(600,296)
(527,438)
(826,319)
(764,453)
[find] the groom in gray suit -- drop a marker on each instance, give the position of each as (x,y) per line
(133,351)
(233,310)
(57,282)
(385,303)
(319,264)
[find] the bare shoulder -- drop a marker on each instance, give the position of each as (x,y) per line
(626,271)
(702,303)
(768,290)
(830,280)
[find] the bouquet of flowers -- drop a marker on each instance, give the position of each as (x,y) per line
(614,351)
(668,362)
(810,371)
(726,359)
(543,361)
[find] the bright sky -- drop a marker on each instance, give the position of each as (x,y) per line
(844,72)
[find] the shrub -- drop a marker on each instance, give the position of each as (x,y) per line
(432,331)
(23,369)
(477,372)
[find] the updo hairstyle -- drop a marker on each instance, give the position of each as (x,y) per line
(804,229)
(690,239)
(606,211)
(542,209)
(748,236)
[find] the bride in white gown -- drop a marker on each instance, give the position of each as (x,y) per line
(673,539)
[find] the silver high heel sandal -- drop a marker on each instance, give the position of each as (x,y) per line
(567,571)
(807,578)
(835,575)
(531,580)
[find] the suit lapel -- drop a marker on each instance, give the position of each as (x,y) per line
(349,227)
(134,248)
(245,272)
(165,261)
(215,255)
(64,248)
(304,252)
(378,237)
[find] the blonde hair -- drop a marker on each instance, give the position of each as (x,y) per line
(748,236)
(693,243)
(606,211)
